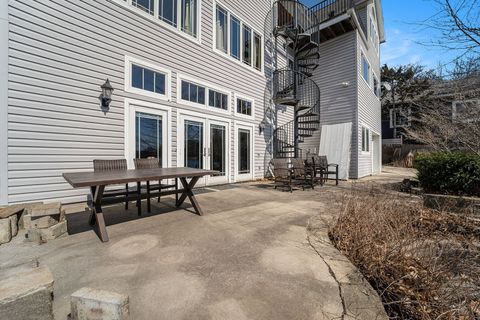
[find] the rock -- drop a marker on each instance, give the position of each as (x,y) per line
(45,209)
(93,304)
(54,231)
(44,222)
(5,231)
(34,235)
(27,221)
(14,225)
(26,293)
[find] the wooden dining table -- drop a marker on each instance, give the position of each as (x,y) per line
(98,181)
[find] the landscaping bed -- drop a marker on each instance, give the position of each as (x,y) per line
(425,264)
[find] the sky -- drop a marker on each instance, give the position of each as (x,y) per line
(405,36)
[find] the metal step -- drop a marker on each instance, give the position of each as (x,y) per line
(309,121)
(308,56)
(288,101)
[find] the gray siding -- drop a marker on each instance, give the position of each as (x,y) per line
(369,106)
(338,103)
(61,51)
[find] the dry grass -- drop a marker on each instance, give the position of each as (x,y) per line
(424,264)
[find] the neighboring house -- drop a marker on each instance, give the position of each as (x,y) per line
(455,98)
(192,86)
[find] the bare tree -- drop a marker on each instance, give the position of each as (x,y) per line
(458,22)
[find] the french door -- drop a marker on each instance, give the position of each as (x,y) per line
(203,144)
(244,169)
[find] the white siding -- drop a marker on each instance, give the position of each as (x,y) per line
(369,107)
(338,102)
(61,51)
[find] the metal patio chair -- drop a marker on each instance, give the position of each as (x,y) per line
(282,173)
(303,174)
(153,163)
(115,165)
(322,168)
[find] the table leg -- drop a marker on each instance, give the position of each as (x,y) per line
(139,199)
(187,192)
(97,219)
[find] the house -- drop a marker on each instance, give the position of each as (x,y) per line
(196,83)
(457,99)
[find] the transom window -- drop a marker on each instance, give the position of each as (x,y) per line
(238,40)
(192,92)
(365,139)
(149,80)
(181,14)
(217,99)
(244,107)
(204,95)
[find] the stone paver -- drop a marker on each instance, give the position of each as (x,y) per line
(249,257)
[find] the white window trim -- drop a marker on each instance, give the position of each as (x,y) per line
(130,107)
(182,114)
(369,139)
(248,126)
(207,86)
(128,4)
(129,61)
(227,54)
(364,56)
(241,115)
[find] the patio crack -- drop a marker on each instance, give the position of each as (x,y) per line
(330,270)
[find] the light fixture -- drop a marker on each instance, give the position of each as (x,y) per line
(106,96)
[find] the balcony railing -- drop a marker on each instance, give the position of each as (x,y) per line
(329,9)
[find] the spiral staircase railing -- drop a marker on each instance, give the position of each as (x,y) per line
(298,26)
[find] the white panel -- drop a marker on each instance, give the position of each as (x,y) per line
(3,102)
(335,143)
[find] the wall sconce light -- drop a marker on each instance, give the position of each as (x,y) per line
(345,84)
(106,96)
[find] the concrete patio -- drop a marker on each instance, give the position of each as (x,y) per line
(250,257)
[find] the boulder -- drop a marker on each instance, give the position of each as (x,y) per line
(26,293)
(5,230)
(93,304)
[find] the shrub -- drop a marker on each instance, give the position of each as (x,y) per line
(449,173)
(424,264)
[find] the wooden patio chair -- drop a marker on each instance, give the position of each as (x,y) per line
(323,168)
(153,163)
(114,165)
(282,173)
(303,174)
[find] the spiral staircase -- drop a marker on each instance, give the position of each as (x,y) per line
(295,29)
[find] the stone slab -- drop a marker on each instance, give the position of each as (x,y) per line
(5,230)
(46,209)
(44,222)
(14,225)
(11,210)
(94,304)
(26,293)
(54,231)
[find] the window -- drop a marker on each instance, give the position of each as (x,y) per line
(145,5)
(234,37)
(167,11)
(376,87)
(466,110)
(180,14)
(237,39)
(257,51)
(247,45)
(221,31)
(189,17)
(193,145)
(243,151)
(365,69)
(148,80)
(218,144)
(365,139)
(244,107)
(403,117)
(193,93)
(148,136)
(374,34)
(217,99)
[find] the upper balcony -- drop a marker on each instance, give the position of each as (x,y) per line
(335,17)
